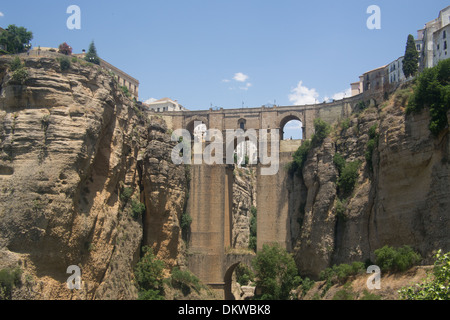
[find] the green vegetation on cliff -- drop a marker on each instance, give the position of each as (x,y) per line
(9,278)
(371,146)
(19,71)
(275,272)
(149,274)
(436,286)
(348,174)
(322,130)
(432,91)
(396,260)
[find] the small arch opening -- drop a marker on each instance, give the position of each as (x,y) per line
(238,276)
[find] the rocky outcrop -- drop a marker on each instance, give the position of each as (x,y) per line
(66,146)
(71,143)
(164,192)
(316,237)
(403,201)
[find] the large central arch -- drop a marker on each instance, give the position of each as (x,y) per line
(288,119)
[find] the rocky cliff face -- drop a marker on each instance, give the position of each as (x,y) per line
(165,193)
(70,144)
(404,200)
(244,198)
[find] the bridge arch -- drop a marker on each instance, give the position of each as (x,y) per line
(289,119)
(233,261)
(228,280)
(190,125)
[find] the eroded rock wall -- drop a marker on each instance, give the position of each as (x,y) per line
(70,144)
(403,201)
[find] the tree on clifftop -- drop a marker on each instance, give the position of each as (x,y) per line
(64,48)
(92,56)
(15,38)
(411,61)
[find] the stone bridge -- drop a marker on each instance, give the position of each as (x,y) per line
(211,191)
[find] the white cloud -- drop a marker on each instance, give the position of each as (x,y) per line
(240,77)
(293,125)
(1,14)
(150,100)
(302,95)
(341,95)
(225,80)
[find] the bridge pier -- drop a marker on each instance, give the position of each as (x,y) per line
(210,206)
(210,211)
(219,290)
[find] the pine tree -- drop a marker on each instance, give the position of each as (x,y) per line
(411,61)
(92,56)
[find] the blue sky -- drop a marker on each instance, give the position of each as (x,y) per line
(231,53)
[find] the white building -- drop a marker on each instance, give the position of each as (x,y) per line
(395,70)
(434,35)
(164,105)
(441,42)
(357,87)
(432,44)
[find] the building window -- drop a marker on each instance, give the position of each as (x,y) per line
(445,34)
(445,45)
(242,123)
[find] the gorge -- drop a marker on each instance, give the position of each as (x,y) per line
(79,158)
